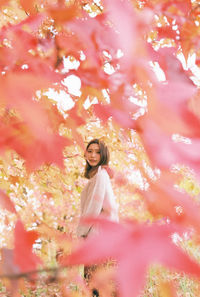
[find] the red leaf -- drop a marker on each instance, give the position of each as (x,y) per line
(164,152)
(162,199)
(33,22)
(177,7)
(127,35)
(180,119)
(138,252)
(78,139)
(24,257)
(3,2)
(73,122)
(173,98)
(104,112)
(189,38)
(194,104)
(91,76)
(33,139)
(173,8)
(161,56)
(120,108)
(27,82)
(62,15)
(166,32)
(17,52)
(16,48)
(35,149)
(69,43)
(106,33)
(28,6)
(95,36)
(6,203)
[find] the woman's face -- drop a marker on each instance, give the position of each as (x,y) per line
(92,154)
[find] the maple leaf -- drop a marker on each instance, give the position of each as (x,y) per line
(177,7)
(162,199)
(161,56)
(33,22)
(31,138)
(104,33)
(34,150)
(23,241)
(95,36)
(62,14)
(69,43)
(127,31)
(91,76)
(73,122)
(171,98)
(3,2)
(28,6)
(166,32)
(54,116)
(15,50)
(189,36)
(194,104)
(6,203)
(104,112)
(49,150)
(120,108)
(180,119)
(138,253)
(164,152)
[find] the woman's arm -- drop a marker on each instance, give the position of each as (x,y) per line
(94,206)
(95,203)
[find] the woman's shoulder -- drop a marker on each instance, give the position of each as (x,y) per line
(105,171)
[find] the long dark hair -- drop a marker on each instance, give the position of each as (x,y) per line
(104,157)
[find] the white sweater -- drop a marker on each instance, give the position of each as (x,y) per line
(97,198)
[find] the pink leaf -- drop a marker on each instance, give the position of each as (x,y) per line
(163,200)
(24,257)
(164,152)
(127,35)
(64,14)
(3,2)
(138,252)
(28,6)
(6,203)
(104,112)
(171,98)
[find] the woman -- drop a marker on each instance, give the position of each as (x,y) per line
(97,197)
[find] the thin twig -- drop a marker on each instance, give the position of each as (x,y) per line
(29,273)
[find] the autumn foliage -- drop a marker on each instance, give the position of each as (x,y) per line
(137,63)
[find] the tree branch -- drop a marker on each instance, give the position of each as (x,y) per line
(29,273)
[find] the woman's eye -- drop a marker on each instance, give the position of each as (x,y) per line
(92,152)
